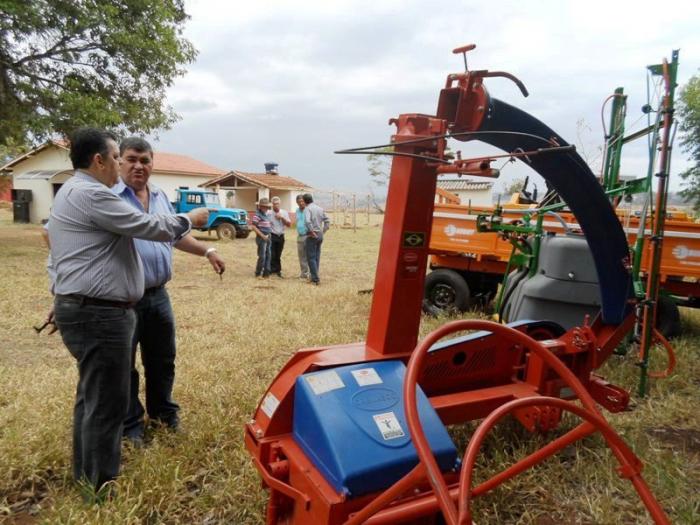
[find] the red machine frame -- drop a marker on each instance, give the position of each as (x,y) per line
(531,371)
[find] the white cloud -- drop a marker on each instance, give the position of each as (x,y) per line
(293,81)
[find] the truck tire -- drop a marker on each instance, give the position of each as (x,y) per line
(668,317)
(446,291)
(242,234)
(226,231)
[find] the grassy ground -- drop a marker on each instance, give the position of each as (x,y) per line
(233,336)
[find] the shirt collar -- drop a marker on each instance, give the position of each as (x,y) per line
(84,175)
(120,187)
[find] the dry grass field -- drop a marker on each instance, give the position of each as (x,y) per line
(233,336)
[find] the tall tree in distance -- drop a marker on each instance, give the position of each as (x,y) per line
(689,112)
(106,63)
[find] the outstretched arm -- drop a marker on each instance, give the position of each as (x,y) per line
(191,245)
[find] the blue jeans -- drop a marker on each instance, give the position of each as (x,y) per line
(313,255)
(99,338)
(264,257)
(155,334)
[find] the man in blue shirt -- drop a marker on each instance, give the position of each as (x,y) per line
(301,238)
(155,327)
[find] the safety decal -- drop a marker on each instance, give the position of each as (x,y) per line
(389,426)
(325,382)
(270,404)
(367,376)
(413,239)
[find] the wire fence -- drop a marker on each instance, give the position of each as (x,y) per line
(350,210)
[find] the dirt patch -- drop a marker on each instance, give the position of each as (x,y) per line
(25,502)
(687,439)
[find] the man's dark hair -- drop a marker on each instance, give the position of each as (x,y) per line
(85,143)
(308,199)
(138,144)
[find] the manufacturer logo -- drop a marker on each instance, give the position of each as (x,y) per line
(376,398)
(451,230)
(683,252)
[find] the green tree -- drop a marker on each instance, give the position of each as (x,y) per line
(689,113)
(107,63)
(514,186)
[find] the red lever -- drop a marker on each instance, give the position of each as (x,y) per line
(463,49)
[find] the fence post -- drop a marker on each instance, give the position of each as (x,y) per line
(368,197)
(354,212)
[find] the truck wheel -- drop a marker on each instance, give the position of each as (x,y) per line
(242,234)
(445,291)
(668,317)
(226,231)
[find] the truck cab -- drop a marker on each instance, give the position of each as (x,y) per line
(228,223)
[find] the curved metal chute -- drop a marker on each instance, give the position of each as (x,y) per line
(571,177)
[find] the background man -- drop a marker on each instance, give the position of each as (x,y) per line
(97,277)
(279,220)
(317,224)
(301,238)
(155,325)
(260,222)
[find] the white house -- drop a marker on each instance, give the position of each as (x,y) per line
(44,169)
(244,189)
(476,192)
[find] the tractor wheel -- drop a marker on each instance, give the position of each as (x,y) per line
(668,317)
(226,231)
(446,291)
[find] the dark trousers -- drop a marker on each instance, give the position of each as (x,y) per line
(313,255)
(155,334)
(264,257)
(99,338)
(277,245)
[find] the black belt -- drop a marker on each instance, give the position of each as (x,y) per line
(94,301)
(153,289)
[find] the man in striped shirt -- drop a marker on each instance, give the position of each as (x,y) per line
(261,225)
(97,277)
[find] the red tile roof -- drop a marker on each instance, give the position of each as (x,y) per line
(266,180)
(162,161)
(175,163)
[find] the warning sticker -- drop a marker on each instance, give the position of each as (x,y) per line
(325,382)
(367,376)
(270,404)
(388,425)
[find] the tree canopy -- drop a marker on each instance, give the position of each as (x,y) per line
(689,112)
(70,63)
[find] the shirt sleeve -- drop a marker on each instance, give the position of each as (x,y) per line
(307,219)
(326,222)
(111,213)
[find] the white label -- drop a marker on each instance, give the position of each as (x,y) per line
(388,425)
(367,376)
(325,382)
(270,404)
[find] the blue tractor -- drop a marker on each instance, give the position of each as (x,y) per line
(229,223)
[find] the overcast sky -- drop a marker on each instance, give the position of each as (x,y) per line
(290,82)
